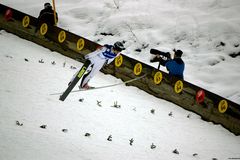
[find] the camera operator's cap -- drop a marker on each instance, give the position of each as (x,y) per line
(118,46)
(46,5)
(178,53)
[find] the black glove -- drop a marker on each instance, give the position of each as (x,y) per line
(168,55)
(163,62)
(159,59)
(155,59)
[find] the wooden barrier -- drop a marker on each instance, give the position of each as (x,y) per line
(210,106)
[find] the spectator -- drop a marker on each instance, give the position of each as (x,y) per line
(46,16)
(175,66)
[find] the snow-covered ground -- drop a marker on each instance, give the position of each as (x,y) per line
(25,91)
(207,31)
(197,27)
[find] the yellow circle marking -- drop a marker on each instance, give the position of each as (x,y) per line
(43,29)
(158,77)
(138,69)
(118,61)
(62,36)
(178,87)
(222,106)
(26,21)
(80,44)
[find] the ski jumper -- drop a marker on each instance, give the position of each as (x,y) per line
(98,59)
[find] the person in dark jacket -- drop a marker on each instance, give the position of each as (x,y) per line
(47,15)
(175,66)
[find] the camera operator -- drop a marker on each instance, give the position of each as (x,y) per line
(175,66)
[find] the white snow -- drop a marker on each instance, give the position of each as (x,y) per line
(199,26)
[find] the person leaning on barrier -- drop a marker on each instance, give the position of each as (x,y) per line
(46,15)
(174,66)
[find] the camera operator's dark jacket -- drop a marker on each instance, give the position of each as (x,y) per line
(175,67)
(47,15)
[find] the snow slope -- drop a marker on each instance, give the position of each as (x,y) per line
(208,32)
(24,97)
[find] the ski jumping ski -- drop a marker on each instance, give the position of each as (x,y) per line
(111,85)
(100,87)
(75,81)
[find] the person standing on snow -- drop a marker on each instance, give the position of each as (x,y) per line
(46,15)
(175,66)
(98,58)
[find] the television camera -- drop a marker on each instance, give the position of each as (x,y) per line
(160,57)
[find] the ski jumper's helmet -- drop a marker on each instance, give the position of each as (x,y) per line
(118,46)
